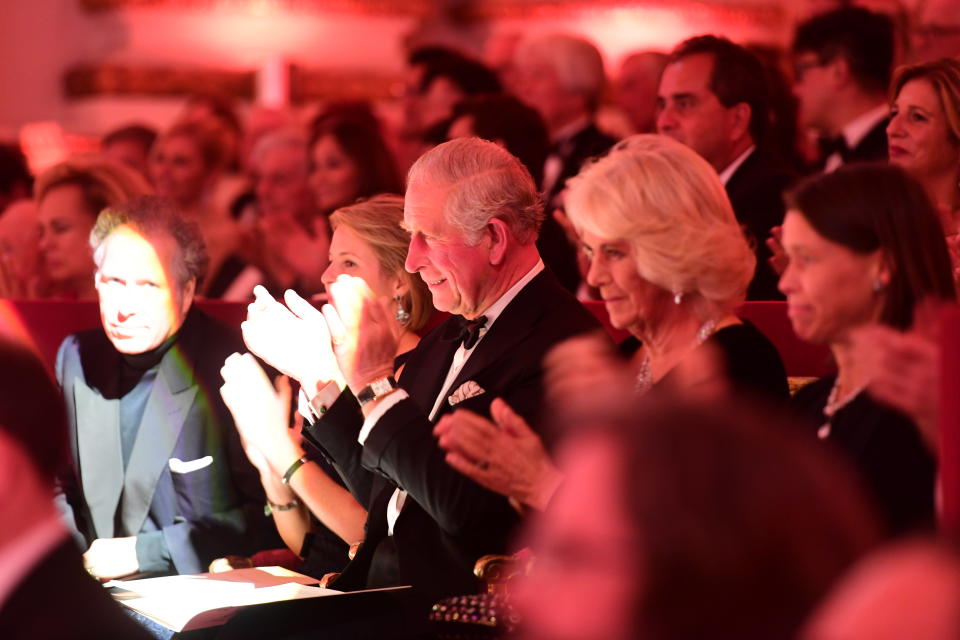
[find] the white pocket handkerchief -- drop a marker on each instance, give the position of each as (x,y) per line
(186,466)
(467,390)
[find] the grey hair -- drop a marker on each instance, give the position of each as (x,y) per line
(151,216)
(576,61)
(287,137)
(483,181)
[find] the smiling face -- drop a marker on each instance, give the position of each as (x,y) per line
(690,113)
(631,301)
(829,288)
(178,171)
(584,581)
(457,274)
(918,136)
(65,223)
(351,256)
(335,177)
(280,181)
(140,303)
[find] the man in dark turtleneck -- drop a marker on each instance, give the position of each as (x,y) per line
(160,483)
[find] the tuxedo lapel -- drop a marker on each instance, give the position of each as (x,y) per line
(432,368)
(163,419)
(101,460)
(512,327)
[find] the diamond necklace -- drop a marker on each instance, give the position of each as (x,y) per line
(645,375)
(834,404)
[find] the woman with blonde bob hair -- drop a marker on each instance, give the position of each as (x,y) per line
(670,260)
(373,226)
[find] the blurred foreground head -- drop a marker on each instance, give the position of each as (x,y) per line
(687,521)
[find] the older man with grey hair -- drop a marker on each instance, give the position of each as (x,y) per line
(473,213)
(562,77)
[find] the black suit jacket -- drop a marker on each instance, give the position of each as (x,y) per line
(756,193)
(448,521)
(213,510)
(873,147)
(59,601)
(554,247)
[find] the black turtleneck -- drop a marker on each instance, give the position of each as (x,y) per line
(138,371)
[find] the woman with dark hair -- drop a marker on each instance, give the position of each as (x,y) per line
(350,160)
(865,245)
(686,521)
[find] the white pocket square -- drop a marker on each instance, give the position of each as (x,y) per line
(468,389)
(186,466)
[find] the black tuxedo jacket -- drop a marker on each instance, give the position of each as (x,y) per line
(209,508)
(448,521)
(58,600)
(756,193)
(873,147)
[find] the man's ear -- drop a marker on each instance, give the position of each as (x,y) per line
(839,71)
(740,120)
(187,294)
(499,234)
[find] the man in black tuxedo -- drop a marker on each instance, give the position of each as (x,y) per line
(159,482)
(562,77)
(45,594)
(843,61)
(473,212)
(713,98)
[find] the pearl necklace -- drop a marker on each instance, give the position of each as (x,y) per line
(645,375)
(834,404)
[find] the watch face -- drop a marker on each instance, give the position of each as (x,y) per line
(380,387)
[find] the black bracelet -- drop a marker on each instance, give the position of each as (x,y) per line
(293,469)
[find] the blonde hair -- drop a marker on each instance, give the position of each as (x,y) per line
(944,77)
(669,205)
(104,183)
(376,221)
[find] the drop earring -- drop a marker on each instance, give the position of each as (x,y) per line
(402,315)
(677,297)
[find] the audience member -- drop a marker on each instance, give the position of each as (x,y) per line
(130,145)
(713,98)
(45,594)
(682,521)
(16,183)
(562,77)
(910,590)
(69,197)
(472,211)
(636,88)
(936,30)
(671,265)
(924,132)
(159,482)
(20,251)
(842,62)
(185,165)
(865,245)
(368,243)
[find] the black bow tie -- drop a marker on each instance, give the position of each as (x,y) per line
(467,331)
(829,146)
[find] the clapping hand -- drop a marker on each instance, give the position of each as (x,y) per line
(294,338)
(260,412)
(365,337)
(503,455)
(778,260)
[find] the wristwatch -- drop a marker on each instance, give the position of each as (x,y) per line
(376,389)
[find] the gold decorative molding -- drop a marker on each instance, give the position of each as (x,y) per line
(471,10)
(306,85)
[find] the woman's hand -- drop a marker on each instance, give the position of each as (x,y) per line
(505,455)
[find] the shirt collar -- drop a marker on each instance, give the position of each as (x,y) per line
(858,128)
(731,169)
(494,310)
